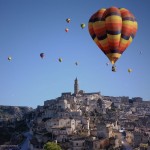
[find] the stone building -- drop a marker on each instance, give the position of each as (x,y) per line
(77,144)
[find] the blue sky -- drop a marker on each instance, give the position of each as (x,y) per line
(30,27)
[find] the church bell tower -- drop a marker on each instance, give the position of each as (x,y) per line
(76,86)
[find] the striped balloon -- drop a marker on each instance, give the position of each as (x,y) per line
(113,30)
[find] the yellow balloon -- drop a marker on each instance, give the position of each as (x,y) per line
(129,70)
(9,58)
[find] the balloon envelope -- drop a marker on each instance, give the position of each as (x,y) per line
(66,29)
(129,70)
(42,55)
(76,63)
(82,25)
(113,30)
(60,59)
(68,20)
(9,58)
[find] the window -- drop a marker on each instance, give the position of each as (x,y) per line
(77,144)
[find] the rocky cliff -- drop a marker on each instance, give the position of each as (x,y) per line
(11,112)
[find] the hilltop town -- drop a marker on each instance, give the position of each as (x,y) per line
(90,121)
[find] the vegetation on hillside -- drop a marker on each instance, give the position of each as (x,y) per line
(51,146)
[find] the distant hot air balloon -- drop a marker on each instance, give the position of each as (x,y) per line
(82,25)
(140,52)
(9,58)
(113,30)
(76,63)
(107,63)
(42,55)
(60,59)
(129,70)
(66,29)
(68,20)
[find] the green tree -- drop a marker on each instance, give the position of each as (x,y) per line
(51,146)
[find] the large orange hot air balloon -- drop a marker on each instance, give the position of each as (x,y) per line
(113,30)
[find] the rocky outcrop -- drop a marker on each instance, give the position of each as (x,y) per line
(13,112)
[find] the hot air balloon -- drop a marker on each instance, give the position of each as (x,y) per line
(76,63)
(66,29)
(68,20)
(42,55)
(113,30)
(60,59)
(9,58)
(107,63)
(129,70)
(82,25)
